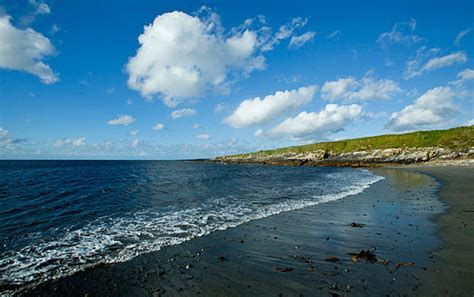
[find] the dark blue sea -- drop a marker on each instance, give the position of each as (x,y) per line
(57,217)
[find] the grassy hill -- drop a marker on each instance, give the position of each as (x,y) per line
(455,138)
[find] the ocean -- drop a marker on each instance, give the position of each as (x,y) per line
(58,217)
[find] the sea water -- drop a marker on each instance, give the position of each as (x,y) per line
(58,217)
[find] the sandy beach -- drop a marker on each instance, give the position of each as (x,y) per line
(453,272)
(396,238)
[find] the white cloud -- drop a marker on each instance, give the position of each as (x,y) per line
(73,142)
(466,74)
(133,132)
(5,140)
(122,120)
(463,76)
(25,50)
(367,88)
(136,143)
(444,61)
(252,112)
(55,29)
(307,125)
(8,143)
(185,112)
(268,41)
(203,137)
(418,66)
(196,126)
(182,56)
(434,107)
(3,133)
(299,41)
(40,7)
(335,34)
(402,33)
(219,107)
(469,123)
(158,127)
(460,36)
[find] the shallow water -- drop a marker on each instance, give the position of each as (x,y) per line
(57,217)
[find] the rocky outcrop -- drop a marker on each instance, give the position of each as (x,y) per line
(366,158)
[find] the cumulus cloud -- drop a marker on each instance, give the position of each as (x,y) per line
(196,126)
(460,36)
(122,120)
(367,88)
(402,33)
(203,137)
(25,50)
(308,125)
(418,66)
(299,41)
(181,56)
(133,132)
(252,112)
(72,142)
(469,123)
(434,107)
(158,127)
(185,112)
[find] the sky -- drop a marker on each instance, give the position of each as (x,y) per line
(135,79)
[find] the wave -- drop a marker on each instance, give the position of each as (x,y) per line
(118,239)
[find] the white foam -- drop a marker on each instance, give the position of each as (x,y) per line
(110,240)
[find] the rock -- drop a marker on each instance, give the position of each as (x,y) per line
(362,158)
(284,269)
(398,265)
(332,259)
(357,225)
(364,255)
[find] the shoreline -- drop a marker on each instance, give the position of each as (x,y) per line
(453,273)
(346,163)
(292,248)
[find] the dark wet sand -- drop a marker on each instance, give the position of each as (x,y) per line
(453,274)
(287,254)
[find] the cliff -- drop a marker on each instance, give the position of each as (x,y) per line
(409,148)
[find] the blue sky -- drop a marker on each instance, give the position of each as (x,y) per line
(85,79)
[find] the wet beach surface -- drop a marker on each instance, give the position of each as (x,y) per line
(453,273)
(312,251)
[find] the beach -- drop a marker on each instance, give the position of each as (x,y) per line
(453,272)
(395,238)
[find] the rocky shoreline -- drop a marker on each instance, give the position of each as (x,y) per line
(366,158)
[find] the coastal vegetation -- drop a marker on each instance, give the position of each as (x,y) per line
(459,138)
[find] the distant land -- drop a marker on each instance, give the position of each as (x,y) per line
(409,148)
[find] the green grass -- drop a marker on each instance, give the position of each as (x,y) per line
(455,138)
